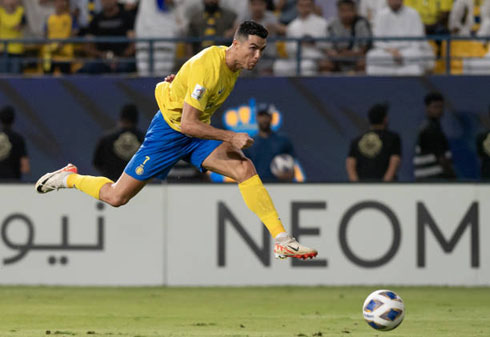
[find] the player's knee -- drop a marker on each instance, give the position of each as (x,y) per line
(245,170)
(118,200)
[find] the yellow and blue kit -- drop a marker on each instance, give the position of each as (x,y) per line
(204,82)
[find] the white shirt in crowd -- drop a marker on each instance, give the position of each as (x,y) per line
(153,22)
(312,26)
(417,56)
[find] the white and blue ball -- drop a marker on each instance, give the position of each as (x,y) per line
(383,310)
(282,164)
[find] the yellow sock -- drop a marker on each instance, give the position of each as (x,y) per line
(87,184)
(258,200)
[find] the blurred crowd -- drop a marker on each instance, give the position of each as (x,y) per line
(351,22)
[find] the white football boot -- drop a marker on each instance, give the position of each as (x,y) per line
(288,247)
(55,180)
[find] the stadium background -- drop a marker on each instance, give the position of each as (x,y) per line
(320,115)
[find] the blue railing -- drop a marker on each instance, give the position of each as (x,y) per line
(444,41)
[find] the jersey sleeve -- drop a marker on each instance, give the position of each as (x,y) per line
(200,86)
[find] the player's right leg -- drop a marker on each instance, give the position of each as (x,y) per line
(227,160)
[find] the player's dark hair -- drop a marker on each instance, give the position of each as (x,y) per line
(346,2)
(129,113)
(247,28)
(7,115)
(377,113)
(433,97)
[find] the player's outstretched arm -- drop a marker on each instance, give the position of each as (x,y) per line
(192,126)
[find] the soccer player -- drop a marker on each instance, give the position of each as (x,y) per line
(182,130)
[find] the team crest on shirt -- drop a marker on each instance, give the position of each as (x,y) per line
(198,92)
(5,146)
(126,145)
(486,144)
(141,168)
(370,145)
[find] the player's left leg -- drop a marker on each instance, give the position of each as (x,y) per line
(101,188)
(228,161)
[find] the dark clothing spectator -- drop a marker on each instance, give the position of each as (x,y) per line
(263,152)
(117,25)
(376,154)
(115,149)
(13,153)
(432,159)
(373,151)
(483,148)
(113,21)
(432,144)
(12,150)
(213,22)
(348,55)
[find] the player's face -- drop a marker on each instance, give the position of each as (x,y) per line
(250,51)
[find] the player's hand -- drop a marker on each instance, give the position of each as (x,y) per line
(170,78)
(241,140)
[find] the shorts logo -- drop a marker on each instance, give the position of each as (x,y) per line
(141,169)
(198,92)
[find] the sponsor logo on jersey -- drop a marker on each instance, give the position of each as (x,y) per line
(198,92)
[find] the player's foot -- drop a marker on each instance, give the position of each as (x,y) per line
(55,180)
(289,247)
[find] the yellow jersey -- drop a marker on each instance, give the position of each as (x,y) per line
(204,82)
(60,27)
(9,29)
(430,10)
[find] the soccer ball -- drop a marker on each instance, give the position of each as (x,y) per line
(383,310)
(282,164)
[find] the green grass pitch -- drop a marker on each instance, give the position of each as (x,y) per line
(268,312)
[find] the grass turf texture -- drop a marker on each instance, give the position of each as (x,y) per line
(284,311)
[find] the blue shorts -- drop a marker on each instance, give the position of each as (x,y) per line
(163,147)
